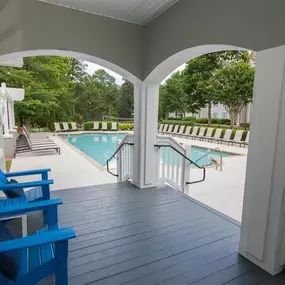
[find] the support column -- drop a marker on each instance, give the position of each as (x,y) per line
(6,120)
(2,153)
(146,156)
(13,115)
(10,116)
(262,231)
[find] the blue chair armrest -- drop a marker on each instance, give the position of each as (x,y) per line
(47,237)
(25,185)
(23,208)
(28,172)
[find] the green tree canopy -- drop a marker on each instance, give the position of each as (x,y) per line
(125,100)
(232,86)
(198,74)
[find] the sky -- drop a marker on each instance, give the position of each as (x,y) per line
(92,67)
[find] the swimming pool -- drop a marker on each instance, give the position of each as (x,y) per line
(100,147)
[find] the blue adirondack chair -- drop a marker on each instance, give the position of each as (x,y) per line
(26,261)
(40,190)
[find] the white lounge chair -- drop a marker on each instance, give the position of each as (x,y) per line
(247,138)
(217,136)
(169,130)
(160,128)
(175,130)
(194,132)
(164,130)
(74,127)
(57,128)
(114,126)
(201,133)
(104,126)
(95,126)
(208,134)
(237,137)
(187,131)
(65,127)
(227,136)
(181,131)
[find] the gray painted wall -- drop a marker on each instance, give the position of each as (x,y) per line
(255,25)
(33,25)
(36,26)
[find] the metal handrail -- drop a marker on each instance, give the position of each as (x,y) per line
(114,154)
(188,159)
(221,156)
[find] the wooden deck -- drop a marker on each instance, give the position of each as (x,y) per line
(154,236)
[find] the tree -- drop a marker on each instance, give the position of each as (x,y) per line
(232,86)
(174,96)
(125,101)
(198,73)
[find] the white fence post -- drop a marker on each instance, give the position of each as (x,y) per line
(119,164)
(187,169)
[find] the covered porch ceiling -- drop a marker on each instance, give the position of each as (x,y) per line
(136,11)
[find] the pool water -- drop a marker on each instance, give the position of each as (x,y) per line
(100,147)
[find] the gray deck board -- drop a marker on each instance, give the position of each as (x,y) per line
(153,236)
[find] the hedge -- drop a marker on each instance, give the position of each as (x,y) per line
(178,122)
(214,121)
(126,127)
(88,126)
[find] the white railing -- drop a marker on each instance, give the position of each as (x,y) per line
(175,165)
(124,160)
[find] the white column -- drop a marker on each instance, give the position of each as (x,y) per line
(10,116)
(13,115)
(146,156)
(262,232)
(6,122)
(2,154)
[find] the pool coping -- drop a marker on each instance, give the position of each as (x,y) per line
(91,160)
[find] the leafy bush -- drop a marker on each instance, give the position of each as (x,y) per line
(126,127)
(192,119)
(88,126)
(174,122)
(201,121)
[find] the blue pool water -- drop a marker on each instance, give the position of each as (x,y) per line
(100,147)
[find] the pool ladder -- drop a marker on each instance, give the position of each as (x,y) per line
(219,164)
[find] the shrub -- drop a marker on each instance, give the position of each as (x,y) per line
(88,126)
(201,121)
(176,122)
(126,127)
(192,119)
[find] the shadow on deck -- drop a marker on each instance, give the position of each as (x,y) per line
(154,236)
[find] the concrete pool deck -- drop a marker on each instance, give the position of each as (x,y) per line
(222,190)
(69,170)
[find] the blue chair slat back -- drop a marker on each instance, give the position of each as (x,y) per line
(3,178)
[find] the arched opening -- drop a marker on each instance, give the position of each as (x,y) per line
(105,144)
(218,146)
